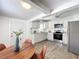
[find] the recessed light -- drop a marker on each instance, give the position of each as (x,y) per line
(26,5)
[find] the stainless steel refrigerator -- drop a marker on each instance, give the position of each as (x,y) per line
(73,33)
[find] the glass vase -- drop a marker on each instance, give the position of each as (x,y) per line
(17,47)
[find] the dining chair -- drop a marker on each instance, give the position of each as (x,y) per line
(40,55)
(2,47)
(27,43)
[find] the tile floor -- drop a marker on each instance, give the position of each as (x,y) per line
(55,50)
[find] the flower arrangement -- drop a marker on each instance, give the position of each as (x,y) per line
(18,33)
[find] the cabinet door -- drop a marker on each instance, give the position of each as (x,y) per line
(50,36)
(74,37)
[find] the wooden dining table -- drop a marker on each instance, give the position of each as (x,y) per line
(24,53)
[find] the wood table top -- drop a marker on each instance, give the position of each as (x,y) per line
(25,53)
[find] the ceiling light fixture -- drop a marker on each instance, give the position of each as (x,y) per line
(26,5)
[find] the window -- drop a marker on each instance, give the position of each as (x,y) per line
(42,27)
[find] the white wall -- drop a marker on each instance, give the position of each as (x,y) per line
(4,31)
(8,25)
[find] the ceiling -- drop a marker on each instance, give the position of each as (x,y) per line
(13,8)
(69,12)
(52,4)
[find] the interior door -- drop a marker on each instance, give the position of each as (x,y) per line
(74,37)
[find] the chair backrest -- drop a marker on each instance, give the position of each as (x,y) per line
(2,46)
(28,40)
(40,55)
(27,43)
(43,52)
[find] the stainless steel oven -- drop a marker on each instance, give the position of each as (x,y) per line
(57,35)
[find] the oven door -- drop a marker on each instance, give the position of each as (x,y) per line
(58,36)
